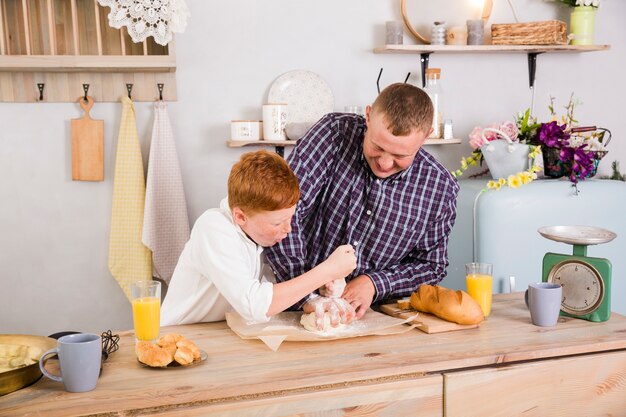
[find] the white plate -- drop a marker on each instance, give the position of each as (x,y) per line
(176,365)
(306,94)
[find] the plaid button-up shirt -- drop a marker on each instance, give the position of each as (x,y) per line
(399,226)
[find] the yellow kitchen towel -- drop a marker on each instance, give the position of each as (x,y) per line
(129,259)
(165,221)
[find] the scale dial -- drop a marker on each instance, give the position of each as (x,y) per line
(583,288)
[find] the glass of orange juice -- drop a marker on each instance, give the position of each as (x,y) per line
(479,280)
(146,301)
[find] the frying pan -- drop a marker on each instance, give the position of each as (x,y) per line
(21,377)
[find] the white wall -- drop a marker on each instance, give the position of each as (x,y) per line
(54,232)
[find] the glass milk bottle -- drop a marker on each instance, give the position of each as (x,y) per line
(433,89)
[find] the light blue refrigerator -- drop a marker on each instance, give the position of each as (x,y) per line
(500,227)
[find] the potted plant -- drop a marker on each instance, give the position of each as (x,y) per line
(582,20)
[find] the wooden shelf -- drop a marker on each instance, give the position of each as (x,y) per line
(49,49)
(240,143)
(88,63)
(531,50)
(453,141)
(459,49)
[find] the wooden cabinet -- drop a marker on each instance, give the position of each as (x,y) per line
(581,386)
(505,367)
(63,44)
(408,398)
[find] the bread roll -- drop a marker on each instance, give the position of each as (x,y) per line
(152,355)
(169,338)
(185,343)
(456,306)
(170,347)
(183,355)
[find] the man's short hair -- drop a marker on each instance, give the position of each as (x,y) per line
(262,181)
(405,108)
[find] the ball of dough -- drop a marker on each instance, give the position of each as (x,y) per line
(308,321)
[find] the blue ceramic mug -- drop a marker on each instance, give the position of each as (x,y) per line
(80,356)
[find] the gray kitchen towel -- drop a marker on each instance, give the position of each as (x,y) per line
(166,223)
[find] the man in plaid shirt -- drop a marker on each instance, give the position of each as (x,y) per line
(367,181)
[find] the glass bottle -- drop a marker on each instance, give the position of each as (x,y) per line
(433,89)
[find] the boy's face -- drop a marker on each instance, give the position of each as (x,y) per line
(385,153)
(266,228)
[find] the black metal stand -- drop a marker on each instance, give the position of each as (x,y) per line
(424,59)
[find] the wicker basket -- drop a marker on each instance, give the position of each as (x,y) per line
(550,32)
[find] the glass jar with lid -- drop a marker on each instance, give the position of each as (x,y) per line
(434,91)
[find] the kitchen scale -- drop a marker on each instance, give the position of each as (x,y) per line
(586,281)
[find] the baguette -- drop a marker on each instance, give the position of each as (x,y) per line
(456,306)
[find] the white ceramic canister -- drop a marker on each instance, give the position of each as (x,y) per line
(274,121)
(246,130)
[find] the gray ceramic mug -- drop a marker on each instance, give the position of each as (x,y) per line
(80,356)
(543,299)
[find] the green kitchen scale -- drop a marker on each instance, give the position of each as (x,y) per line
(586,281)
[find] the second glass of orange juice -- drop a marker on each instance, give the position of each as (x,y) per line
(146,301)
(479,280)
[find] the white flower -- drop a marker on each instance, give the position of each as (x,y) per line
(594,145)
(575,141)
(593,3)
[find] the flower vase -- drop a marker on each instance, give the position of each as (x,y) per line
(582,23)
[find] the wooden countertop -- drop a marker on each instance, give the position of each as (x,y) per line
(239,369)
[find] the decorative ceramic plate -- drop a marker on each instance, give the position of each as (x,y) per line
(306,94)
(176,365)
(577,235)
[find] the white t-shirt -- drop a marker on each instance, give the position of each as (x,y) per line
(219,270)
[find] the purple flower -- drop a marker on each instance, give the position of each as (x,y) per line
(552,135)
(581,163)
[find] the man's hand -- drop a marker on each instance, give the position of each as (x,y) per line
(340,310)
(359,293)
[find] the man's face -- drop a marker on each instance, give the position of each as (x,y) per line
(266,228)
(385,153)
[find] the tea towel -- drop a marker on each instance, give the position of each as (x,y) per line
(129,259)
(165,223)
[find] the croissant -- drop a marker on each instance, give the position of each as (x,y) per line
(185,343)
(152,355)
(184,356)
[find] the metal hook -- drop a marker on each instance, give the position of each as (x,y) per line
(407,77)
(378,80)
(129,88)
(40,86)
(86,89)
(160,86)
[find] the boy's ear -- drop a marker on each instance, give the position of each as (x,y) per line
(239,216)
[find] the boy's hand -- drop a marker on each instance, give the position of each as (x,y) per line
(342,261)
(340,310)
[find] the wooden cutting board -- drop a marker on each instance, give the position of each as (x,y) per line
(87,145)
(427,322)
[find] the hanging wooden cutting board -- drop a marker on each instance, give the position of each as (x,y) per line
(427,322)
(87,145)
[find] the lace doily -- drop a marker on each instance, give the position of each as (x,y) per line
(143,18)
